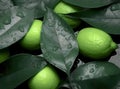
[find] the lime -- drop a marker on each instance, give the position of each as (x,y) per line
(63,8)
(47,78)
(4,54)
(95,43)
(31,41)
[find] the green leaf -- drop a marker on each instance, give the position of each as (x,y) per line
(106,19)
(96,75)
(16,23)
(58,42)
(115,58)
(90,3)
(39,6)
(5,13)
(19,68)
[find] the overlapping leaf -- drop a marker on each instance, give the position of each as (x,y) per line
(39,6)
(90,3)
(19,68)
(14,23)
(106,19)
(58,42)
(96,75)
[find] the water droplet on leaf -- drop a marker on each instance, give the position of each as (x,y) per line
(2,27)
(92,70)
(21,28)
(7,21)
(69,46)
(115,7)
(70,63)
(14,39)
(55,48)
(21,14)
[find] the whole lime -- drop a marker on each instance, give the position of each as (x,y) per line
(31,41)
(95,43)
(47,78)
(62,9)
(4,54)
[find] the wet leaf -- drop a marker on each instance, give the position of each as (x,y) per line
(19,68)
(96,75)
(106,19)
(15,26)
(90,3)
(39,6)
(58,42)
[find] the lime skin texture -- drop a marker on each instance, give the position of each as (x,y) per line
(31,41)
(95,43)
(47,78)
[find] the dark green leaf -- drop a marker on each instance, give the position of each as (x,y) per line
(96,75)
(20,68)
(106,19)
(58,42)
(106,82)
(90,3)
(39,6)
(16,23)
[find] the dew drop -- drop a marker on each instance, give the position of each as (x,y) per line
(21,14)
(92,70)
(2,27)
(70,63)
(55,48)
(76,86)
(69,46)
(21,28)
(7,21)
(80,78)
(14,39)
(115,7)
(51,24)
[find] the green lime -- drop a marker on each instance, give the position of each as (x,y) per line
(71,21)
(95,43)
(63,8)
(31,41)
(4,54)
(47,78)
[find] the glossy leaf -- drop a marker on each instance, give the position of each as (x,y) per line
(96,75)
(19,68)
(90,3)
(39,6)
(58,42)
(17,22)
(106,19)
